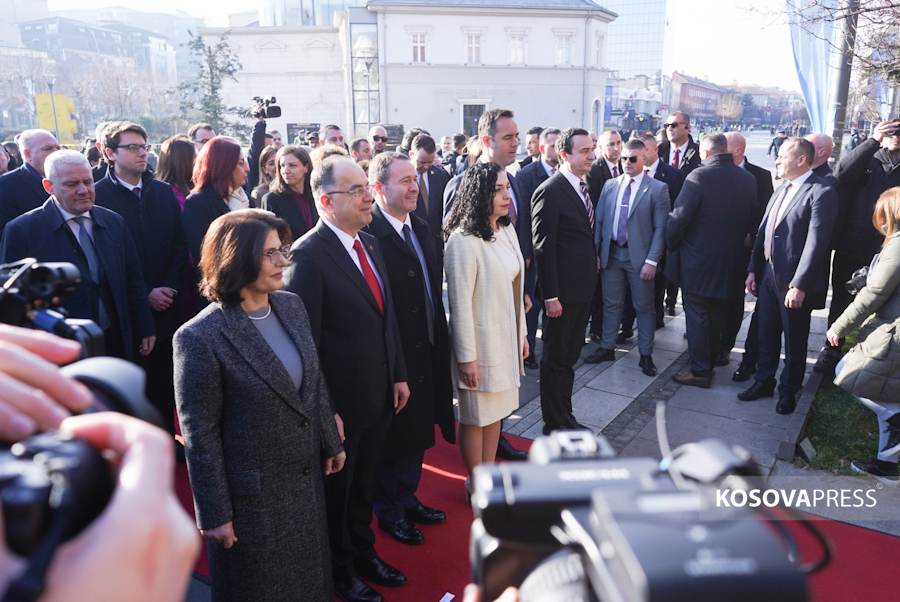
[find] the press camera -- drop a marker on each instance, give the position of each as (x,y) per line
(265,108)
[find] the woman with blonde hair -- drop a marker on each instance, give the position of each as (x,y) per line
(871,370)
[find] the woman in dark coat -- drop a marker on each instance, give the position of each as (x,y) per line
(257,419)
(290,196)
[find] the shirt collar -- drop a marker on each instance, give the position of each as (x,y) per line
(612,165)
(397,224)
(548,168)
(637,179)
(799,180)
(345,238)
(572,178)
(743,163)
(123,184)
(651,169)
(66,215)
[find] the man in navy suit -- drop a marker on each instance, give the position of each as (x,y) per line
(432,180)
(789,270)
(21,189)
(69,227)
(529,178)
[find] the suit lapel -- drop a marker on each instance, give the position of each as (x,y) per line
(250,344)
(688,155)
(641,193)
(798,196)
(381,229)
(339,255)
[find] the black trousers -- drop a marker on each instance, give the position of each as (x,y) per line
(704,318)
(751,345)
(531,318)
(563,340)
(396,484)
(596,309)
(349,492)
(671,294)
(775,319)
(734,316)
(160,369)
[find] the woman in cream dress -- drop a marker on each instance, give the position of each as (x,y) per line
(485,273)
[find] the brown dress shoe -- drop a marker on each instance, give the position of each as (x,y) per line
(689,378)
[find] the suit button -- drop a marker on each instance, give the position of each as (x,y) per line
(306,471)
(304,423)
(418,344)
(411,273)
(421,379)
(414,309)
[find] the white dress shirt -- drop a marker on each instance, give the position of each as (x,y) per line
(651,169)
(420,252)
(74,225)
(613,167)
(347,241)
(681,150)
(796,183)
(548,168)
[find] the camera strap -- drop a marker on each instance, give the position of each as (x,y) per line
(29,586)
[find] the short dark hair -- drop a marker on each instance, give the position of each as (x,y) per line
(423,142)
(535,131)
(547,132)
(635,144)
(459,140)
(487,123)
(330,126)
(717,143)
(199,126)
(409,136)
(233,250)
(112,134)
(380,166)
(356,143)
(268,136)
(804,147)
(566,139)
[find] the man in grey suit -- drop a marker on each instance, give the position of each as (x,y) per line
(630,236)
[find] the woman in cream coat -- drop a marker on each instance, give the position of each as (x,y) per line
(485,272)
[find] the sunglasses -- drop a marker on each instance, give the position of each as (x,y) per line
(631,159)
(379,138)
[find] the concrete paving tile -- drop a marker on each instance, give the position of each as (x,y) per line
(621,379)
(597,408)
(639,447)
(721,400)
(669,339)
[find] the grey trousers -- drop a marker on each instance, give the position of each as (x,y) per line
(618,271)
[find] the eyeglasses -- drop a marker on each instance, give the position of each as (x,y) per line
(672,125)
(133,148)
(379,138)
(284,252)
(355,191)
(631,159)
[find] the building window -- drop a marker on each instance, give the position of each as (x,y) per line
(517,49)
(473,48)
(563,49)
(598,59)
(418,47)
(470,114)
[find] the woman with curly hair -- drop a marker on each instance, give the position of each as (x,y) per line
(485,273)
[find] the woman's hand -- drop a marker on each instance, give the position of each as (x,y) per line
(526,351)
(833,339)
(335,463)
(469,374)
(224,534)
(528,304)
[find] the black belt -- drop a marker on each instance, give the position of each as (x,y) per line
(615,242)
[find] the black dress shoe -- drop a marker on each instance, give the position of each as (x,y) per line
(647,365)
(624,336)
(505,451)
(574,425)
(374,568)
(547,429)
(531,362)
(601,355)
(786,404)
(828,359)
(403,531)
(744,372)
(422,514)
(354,589)
(757,390)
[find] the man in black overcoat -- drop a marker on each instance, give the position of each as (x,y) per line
(340,274)
(21,189)
(415,273)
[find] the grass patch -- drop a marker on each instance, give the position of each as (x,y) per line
(840,429)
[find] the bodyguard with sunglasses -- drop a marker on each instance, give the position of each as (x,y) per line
(377,139)
(680,151)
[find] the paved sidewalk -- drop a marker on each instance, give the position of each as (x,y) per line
(618,400)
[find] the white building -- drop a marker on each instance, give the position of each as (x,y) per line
(435,64)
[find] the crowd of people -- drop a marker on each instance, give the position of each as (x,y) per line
(287,303)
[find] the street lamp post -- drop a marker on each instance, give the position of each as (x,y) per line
(369,61)
(50,82)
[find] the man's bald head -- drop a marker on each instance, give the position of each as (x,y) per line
(737,146)
(824,145)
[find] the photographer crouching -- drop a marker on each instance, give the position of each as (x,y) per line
(141,542)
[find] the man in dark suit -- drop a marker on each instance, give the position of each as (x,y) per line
(69,227)
(681,152)
(21,189)
(705,235)
(153,217)
(789,271)
(567,270)
(532,146)
(608,165)
(499,136)
(529,178)
(432,180)
(341,276)
(737,146)
(414,270)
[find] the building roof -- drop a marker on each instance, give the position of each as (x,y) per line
(580,5)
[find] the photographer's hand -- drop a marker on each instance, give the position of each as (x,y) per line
(143,543)
(34,395)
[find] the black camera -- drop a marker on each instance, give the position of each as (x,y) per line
(265,108)
(52,487)
(576,523)
(857,280)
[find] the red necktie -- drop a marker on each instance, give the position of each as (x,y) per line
(369,275)
(676,160)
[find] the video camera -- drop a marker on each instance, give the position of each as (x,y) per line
(52,487)
(265,108)
(576,523)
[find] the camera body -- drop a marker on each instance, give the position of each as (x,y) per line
(265,108)
(576,523)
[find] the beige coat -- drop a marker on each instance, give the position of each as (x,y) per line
(480,309)
(872,368)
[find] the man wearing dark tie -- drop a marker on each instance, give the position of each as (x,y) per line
(415,272)
(681,152)
(432,180)
(69,227)
(21,189)
(563,224)
(705,236)
(341,276)
(737,146)
(529,178)
(789,271)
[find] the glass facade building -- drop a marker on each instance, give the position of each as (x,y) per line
(636,39)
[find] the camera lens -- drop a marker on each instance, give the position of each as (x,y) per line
(117,386)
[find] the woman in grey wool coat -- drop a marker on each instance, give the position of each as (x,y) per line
(260,432)
(871,370)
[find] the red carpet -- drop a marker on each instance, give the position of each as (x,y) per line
(862,568)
